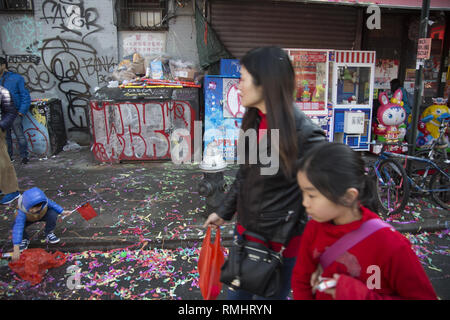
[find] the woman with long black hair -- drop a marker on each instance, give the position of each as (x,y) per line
(269,204)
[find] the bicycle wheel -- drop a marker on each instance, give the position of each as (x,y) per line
(440,181)
(392,186)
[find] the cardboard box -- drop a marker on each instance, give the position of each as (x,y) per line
(184,74)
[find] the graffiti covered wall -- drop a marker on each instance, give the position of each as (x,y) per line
(138,131)
(64,51)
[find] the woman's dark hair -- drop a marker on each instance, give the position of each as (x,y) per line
(272,69)
(332,168)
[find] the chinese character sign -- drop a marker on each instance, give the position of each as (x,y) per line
(144,43)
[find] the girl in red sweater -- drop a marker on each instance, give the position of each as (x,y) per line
(338,197)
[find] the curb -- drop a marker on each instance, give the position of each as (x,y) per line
(427,226)
(105,243)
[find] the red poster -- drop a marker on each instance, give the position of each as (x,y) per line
(310,78)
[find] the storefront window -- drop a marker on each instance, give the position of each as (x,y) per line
(353,85)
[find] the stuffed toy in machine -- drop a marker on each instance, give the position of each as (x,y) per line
(306,95)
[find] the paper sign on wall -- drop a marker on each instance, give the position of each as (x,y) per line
(144,43)
(353,122)
(424,48)
(385,71)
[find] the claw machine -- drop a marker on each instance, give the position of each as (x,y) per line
(353,75)
(335,89)
(332,87)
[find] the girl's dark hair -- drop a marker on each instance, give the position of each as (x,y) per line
(332,168)
(272,69)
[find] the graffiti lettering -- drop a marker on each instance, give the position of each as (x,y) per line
(152,93)
(132,131)
(24,58)
(35,80)
(67,68)
(75,20)
(103,79)
(61,58)
(72,63)
(36,134)
(71,17)
(21,33)
(97,65)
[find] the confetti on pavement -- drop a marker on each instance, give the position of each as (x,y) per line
(150,205)
(427,250)
(126,273)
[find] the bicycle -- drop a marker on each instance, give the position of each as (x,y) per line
(393,189)
(394,184)
(438,148)
(429,174)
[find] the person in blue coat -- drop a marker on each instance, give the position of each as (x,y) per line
(33,206)
(9,188)
(15,83)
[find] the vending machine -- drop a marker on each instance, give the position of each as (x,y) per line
(335,89)
(223,114)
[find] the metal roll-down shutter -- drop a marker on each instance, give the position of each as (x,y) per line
(243,25)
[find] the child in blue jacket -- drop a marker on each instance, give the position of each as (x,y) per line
(34,206)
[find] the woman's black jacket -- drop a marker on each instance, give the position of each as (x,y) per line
(271,205)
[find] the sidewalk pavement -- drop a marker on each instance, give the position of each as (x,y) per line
(153,202)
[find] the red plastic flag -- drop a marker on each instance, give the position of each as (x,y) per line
(86,211)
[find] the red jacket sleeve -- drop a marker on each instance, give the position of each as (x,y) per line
(404,273)
(304,267)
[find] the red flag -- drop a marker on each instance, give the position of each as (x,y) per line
(86,211)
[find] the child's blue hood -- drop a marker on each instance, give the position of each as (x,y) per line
(32,197)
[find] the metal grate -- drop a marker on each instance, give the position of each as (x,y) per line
(16,5)
(243,25)
(142,15)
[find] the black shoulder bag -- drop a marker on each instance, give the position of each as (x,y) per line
(253,267)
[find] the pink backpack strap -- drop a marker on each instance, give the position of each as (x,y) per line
(350,240)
